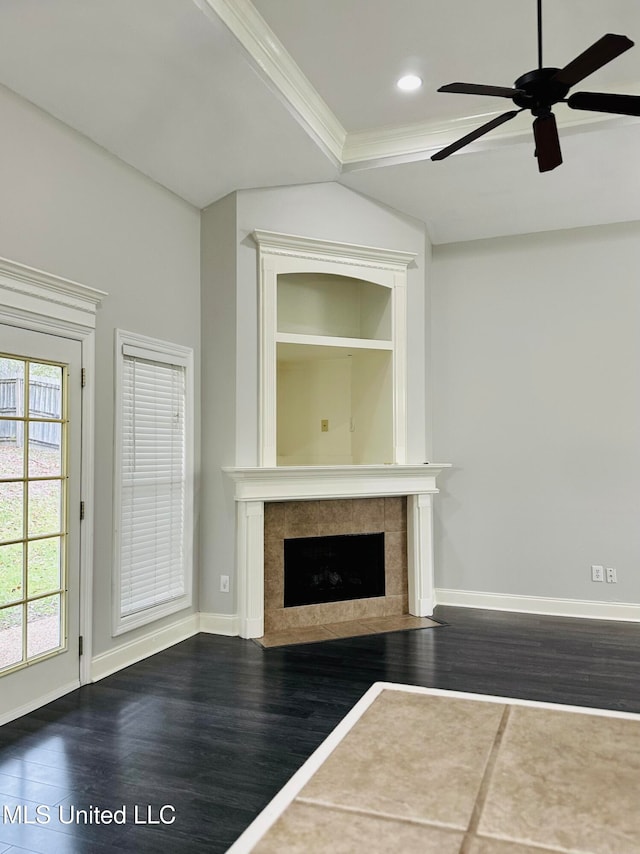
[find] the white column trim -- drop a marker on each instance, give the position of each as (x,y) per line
(250,551)
(267,403)
(399,310)
(420,554)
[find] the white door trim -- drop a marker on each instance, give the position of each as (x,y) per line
(35,300)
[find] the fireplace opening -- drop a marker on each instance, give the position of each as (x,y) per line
(333,569)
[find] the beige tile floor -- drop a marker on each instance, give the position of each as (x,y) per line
(346,629)
(431,773)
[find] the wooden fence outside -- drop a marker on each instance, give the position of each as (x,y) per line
(45,401)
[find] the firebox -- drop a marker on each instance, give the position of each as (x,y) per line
(333,569)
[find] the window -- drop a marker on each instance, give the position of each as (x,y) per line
(154,480)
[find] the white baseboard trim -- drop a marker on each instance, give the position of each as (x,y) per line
(220,624)
(539,605)
(32,705)
(129,653)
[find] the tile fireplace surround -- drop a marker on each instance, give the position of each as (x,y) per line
(255,486)
(285,520)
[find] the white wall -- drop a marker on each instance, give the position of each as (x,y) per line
(536,364)
(68,207)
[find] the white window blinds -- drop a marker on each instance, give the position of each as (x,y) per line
(153,481)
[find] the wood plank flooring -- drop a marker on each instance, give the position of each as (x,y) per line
(214,726)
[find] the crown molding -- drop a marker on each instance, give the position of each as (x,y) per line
(406,143)
(278,68)
(274,243)
(417,141)
(29,283)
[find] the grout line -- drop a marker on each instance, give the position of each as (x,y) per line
(327,627)
(483,791)
(388,816)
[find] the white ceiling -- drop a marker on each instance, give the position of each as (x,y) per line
(206,96)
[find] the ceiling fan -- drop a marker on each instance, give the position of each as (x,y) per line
(540,89)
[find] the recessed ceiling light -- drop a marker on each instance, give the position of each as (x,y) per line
(409,83)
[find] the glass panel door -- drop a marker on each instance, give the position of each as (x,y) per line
(33,510)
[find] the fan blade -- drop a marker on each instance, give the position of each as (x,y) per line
(479,89)
(475,134)
(593,58)
(603,102)
(545,132)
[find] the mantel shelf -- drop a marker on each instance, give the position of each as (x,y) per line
(288,483)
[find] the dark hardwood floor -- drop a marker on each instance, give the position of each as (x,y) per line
(214,726)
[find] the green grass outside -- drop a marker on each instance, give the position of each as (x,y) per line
(44,518)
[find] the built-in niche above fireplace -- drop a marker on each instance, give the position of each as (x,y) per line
(333,352)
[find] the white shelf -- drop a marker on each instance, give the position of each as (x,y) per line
(332,346)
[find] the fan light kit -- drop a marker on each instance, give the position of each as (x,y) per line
(540,89)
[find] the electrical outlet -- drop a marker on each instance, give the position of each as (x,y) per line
(224,583)
(612,576)
(597,573)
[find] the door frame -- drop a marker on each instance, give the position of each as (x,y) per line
(43,302)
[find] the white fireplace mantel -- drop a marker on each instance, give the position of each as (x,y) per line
(298,483)
(254,486)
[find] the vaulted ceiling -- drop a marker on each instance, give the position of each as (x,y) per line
(208,96)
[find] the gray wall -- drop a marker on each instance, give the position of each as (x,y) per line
(219,345)
(536,355)
(69,208)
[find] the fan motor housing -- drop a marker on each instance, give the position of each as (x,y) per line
(539,91)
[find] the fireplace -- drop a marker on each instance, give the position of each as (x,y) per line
(340,524)
(310,501)
(333,569)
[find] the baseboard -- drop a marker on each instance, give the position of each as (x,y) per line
(539,605)
(220,624)
(129,653)
(39,702)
